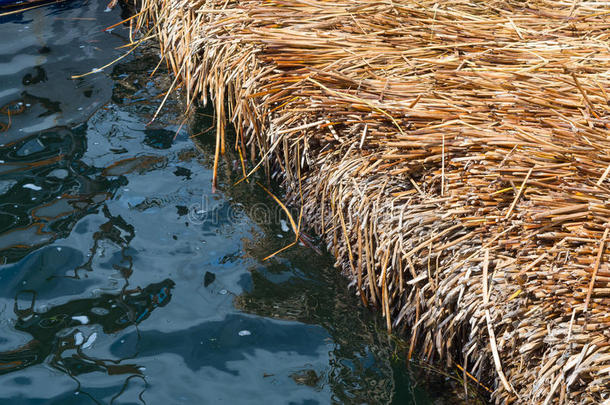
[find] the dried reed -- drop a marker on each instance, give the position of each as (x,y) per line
(454,155)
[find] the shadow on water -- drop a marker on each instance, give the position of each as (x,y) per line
(123,278)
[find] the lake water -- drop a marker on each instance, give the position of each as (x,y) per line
(123,278)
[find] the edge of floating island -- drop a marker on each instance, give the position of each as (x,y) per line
(453,156)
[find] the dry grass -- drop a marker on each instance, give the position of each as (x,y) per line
(454,155)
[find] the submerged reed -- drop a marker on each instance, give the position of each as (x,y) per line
(454,155)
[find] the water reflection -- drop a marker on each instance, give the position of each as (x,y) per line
(55,333)
(53,188)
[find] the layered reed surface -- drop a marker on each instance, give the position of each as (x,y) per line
(454,155)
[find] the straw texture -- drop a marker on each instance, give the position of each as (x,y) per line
(454,155)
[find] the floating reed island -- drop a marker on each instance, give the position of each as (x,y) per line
(454,155)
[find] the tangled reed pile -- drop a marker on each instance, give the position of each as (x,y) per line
(455,156)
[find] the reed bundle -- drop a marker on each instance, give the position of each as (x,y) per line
(455,156)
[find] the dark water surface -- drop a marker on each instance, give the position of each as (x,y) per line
(123,278)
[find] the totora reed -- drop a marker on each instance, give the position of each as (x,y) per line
(454,156)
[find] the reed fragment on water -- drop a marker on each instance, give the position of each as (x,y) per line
(454,155)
